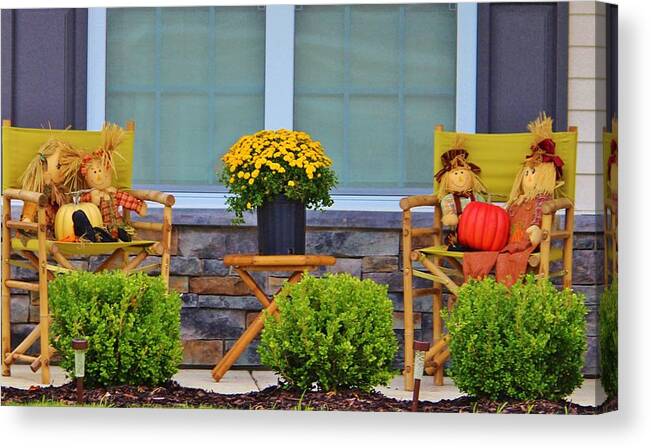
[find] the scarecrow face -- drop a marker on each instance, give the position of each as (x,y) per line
(529,179)
(97,175)
(54,172)
(459,180)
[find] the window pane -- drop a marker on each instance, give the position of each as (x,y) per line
(371,82)
(192,79)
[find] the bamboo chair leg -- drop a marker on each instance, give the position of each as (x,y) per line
(24,345)
(545,246)
(63,261)
(6,293)
(118,253)
(44,311)
(135,261)
(568,248)
(614,246)
(34,260)
(408,312)
(167,242)
(437,329)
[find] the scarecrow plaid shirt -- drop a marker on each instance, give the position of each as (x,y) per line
(110,213)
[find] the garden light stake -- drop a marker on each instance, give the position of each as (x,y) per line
(80,346)
(419,365)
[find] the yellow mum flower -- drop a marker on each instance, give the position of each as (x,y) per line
(240,174)
(248,205)
(255,173)
(247,175)
(291,183)
(251,181)
(232,179)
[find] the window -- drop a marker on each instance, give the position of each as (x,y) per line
(371,81)
(192,79)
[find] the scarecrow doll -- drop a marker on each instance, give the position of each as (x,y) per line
(54,171)
(534,185)
(97,169)
(458,185)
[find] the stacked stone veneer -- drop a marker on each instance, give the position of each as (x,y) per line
(217,306)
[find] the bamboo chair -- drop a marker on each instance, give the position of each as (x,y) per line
(47,257)
(610,217)
(499,156)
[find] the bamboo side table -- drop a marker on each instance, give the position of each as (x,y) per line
(243,264)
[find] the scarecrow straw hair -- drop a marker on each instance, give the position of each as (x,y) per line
(541,128)
(477,185)
(33,178)
(459,142)
(112,137)
(545,182)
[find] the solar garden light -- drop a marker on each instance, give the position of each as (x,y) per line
(419,366)
(80,346)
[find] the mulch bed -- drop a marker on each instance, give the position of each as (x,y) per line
(173,395)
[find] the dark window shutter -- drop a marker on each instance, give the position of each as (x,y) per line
(44,67)
(521,64)
(612,65)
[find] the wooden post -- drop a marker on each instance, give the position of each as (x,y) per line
(568,247)
(167,242)
(408,373)
(44,310)
(6,292)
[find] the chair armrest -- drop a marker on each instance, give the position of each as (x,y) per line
(552,206)
(155,196)
(420,200)
(26,196)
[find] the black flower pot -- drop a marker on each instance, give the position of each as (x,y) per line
(281,227)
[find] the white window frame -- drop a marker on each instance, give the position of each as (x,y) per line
(279,92)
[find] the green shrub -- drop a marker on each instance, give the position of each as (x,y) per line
(132,325)
(608,339)
(524,343)
(334,332)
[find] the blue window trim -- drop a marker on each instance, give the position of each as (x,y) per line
(466,67)
(279,67)
(96,69)
(279,91)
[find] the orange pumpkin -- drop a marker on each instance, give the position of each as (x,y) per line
(484,226)
(64,227)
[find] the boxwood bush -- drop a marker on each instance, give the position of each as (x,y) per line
(527,342)
(608,340)
(131,323)
(331,333)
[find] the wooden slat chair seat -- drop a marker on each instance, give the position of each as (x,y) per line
(500,156)
(82,248)
(48,258)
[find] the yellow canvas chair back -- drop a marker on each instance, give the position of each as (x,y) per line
(20,145)
(500,156)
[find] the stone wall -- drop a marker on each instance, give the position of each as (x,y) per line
(217,306)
